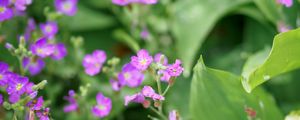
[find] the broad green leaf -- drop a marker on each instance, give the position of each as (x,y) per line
(270,9)
(284,57)
(122,36)
(193,20)
(217,94)
(87,19)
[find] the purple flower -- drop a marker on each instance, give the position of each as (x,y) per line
(6,13)
(49,29)
(17,85)
(21,5)
(157,58)
(1,99)
(103,106)
(13,98)
(148,1)
(175,69)
(158,97)
(29,29)
(116,85)
(67,7)
(173,115)
(9,46)
(4,73)
(142,60)
(34,65)
(287,3)
(282,27)
(165,76)
(42,48)
(137,98)
(121,2)
(145,34)
(60,52)
(43,114)
(93,62)
(126,2)
(148,91)
(72,106)
(130,76)
(36,104)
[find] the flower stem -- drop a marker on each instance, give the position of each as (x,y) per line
(158,113)
(166,90)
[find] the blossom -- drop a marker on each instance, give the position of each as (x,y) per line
(67,7)
(21,5)
(121,2)
(137,98)
(29,29)
(60,52)
(34,65)
(36,104)
(173,115)
(17,85)
(282,27)
(1,99)
(148,91)
(116,85)
(144,34)
(287,3)
(42,48)
(49,29)
(93,62)
(43,114)
(142,60)
(158,57)
(103,106)
(148,1)
(4,73)
(130,76)
(72,106)
(165,76)
(127,2)
(6,13)
(13,98)
(175,69)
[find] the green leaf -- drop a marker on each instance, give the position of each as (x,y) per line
(193,20)
(87,19)
(122,36)
(284,57)
(270,9)
(217,94)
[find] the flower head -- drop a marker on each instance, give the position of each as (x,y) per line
(175,69)
(130,76)
(137,98)
(13,98)
(43,114)
(103,106)
(148,1)
(6,13)
(4,73)
(29,29)
(144,34)
(17,85)
(93,62)
(158,57)
(49,29)
(67,7)
(60,52)
(148,91)
(173,115)
(142,60)
(116,85)
(36,104)
(72,106)
(287,3)
(34,65)
(42,48)
(21,5)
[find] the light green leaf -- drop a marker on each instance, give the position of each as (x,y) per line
(193,20)
(122,36)
(270,9)
(284,57)
(87,19)
(217,94)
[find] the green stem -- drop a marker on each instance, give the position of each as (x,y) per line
(158,113)
(166,90)
(22,71)
(158,85)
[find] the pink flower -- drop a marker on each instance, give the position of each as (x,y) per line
(142,60)
(103,106)
(287,3)
(137,98)
(175,69)
(93,62)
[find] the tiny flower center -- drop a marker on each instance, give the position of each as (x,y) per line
(127,76)
(2,9)
(143,62)
(97,65)
(67,6)
(19,86)
(1,76)
(39,51)
(101,107)
(48,28)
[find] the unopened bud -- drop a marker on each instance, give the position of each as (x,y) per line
(146,104)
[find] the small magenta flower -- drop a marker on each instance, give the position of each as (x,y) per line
(67,7)
(121,2)
(137,98)
(165,76)
(43,114)
(93,62)
(13,98)
(103,106)
(158,57)
(49,29)
(34,65)
(17,85)
(175,69)
(21,5)
(142,60)
(148,91)
(29,29)
(287,3)
(116,85)
(4,73)
(148,1)
(173,115)
(1,99)
(282,27)
(158,97)
(6,13)
(42,48)
(145,34)
(60,52)
(72,106)
(130,76)
(36,104)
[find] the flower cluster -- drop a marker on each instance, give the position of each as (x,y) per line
(127,2)
(147,92)
(94,62)
(73,105)
(287,3)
